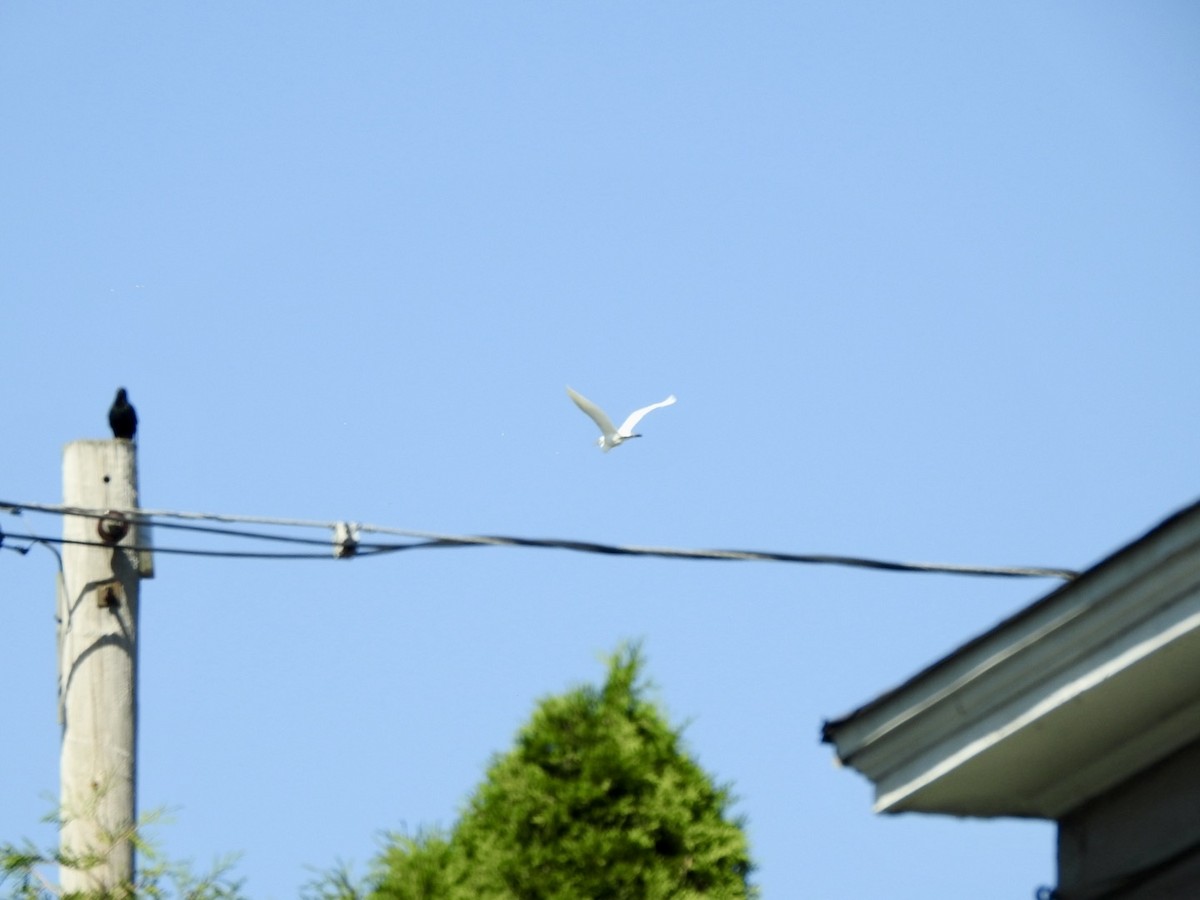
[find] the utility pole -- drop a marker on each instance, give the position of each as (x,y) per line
(98,665)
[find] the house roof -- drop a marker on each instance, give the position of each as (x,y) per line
(1058,703)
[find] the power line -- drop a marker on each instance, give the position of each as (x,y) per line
(346,543)
(369,550)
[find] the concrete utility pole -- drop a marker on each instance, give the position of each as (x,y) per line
(98,664)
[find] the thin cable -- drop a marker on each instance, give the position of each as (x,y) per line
(61,509)
(370,549)
(744,555)
(171,550)
(143,517)
(433,539)
(234,532)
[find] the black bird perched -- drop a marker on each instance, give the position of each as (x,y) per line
(122,417)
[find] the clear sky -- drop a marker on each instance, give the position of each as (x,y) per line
(924,277)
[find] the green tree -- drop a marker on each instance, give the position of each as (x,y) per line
(598,800)
(28,872)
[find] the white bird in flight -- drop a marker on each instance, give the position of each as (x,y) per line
(609,436)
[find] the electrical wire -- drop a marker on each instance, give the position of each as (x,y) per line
(349,544)
(370,549)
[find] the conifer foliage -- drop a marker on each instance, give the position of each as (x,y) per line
(598,799)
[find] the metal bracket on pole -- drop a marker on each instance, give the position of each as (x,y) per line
(110,595)
(113,527)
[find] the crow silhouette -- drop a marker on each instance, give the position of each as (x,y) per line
(122,417)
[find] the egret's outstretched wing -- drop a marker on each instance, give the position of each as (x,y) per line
(596,413)
(629,424)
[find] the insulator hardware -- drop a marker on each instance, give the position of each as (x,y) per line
(113,527)
(345,540)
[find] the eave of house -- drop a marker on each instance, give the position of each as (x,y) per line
(1058,703)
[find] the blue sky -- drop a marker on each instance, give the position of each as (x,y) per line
(923,277)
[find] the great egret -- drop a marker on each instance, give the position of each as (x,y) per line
(612,437)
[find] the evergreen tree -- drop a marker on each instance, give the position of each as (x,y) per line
(597,801)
